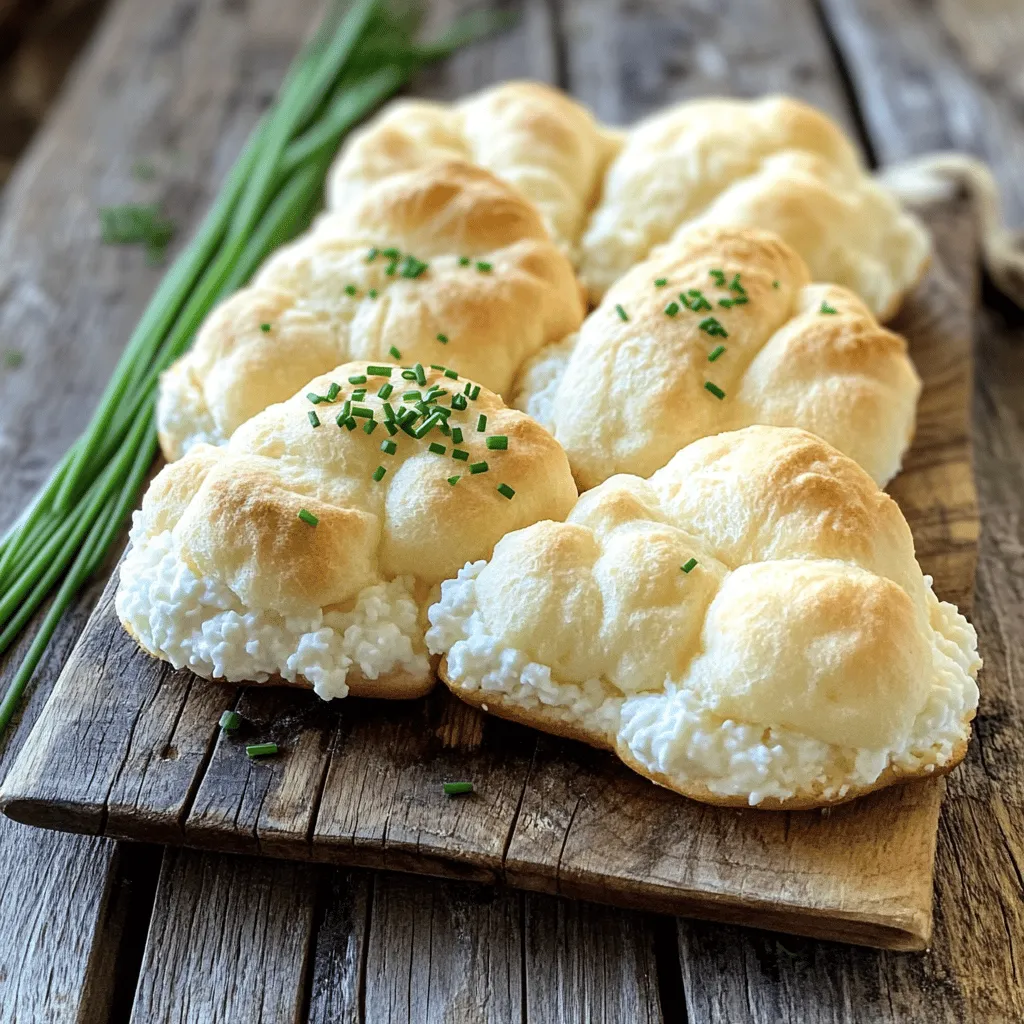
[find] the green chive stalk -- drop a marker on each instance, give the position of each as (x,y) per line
(356,60)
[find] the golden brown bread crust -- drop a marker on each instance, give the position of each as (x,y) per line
(625,395)
(750,619)
(323,300)
(536,138)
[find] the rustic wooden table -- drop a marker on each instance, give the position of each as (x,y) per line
(98,931)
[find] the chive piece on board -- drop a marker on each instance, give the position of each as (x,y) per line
(308,517)
(261,749)
(457,788)
(505,491)
(497,442)
(689,565)
(714,389)
(230,721)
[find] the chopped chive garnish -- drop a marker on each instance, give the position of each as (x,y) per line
(372,293)
(718,276)
(690,565)
(388,447)
(826,308)
(459,455)
(261,749)
(725,303)
(457,435)
(389,412)
(265,328)
(451,374)
(464,261)
(437,449)
(713,327)
(775,284)
(357,379)
(453,480)
(379,371)
(390,428)
(378,473)
(350,424)
(715,353)
(479,467)
(308,518)
(505,491)
(391,253)
(735,286)
(385,390)
(481,423)
(438,366)
(315,398)
(408,375)
(714,389)
(230,721)
(497,442)
(333,391)
(394,353)
(313,418)
(346,411)
(671,309)
(475,393)
(741,300)
(359,394)
(458,402)
(350,289)
(371,426)
(371,255)
(698,302)
(484,268)
(660,282)
(623,315)
(443,338)
(363,411)
(412,396)
(421,374)
(457,788)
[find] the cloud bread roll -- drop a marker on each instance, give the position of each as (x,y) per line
(773,163)
(722,328)
(747,627)
(307,548)
(441,264)
(530,135)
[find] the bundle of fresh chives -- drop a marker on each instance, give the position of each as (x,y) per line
(356,59)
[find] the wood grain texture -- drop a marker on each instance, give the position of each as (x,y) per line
(229,941)
(582,964)
(936,76)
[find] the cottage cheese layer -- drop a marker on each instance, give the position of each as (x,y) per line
(673,729)
(199,623)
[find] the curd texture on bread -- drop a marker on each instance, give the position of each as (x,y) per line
(536,138)
(772,163)
(307,548)
(748,626)
(442,264)
(722,328)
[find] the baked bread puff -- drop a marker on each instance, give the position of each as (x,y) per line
(720,329)
(749,626)
(444,264)
(772,163)
(307,549)
(535,138)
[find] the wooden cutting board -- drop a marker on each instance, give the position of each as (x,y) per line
(127,747)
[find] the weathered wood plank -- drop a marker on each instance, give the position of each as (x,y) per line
(629,59)
(939,76)
(587,963)
(443,952)
(229,941)
(339,961)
